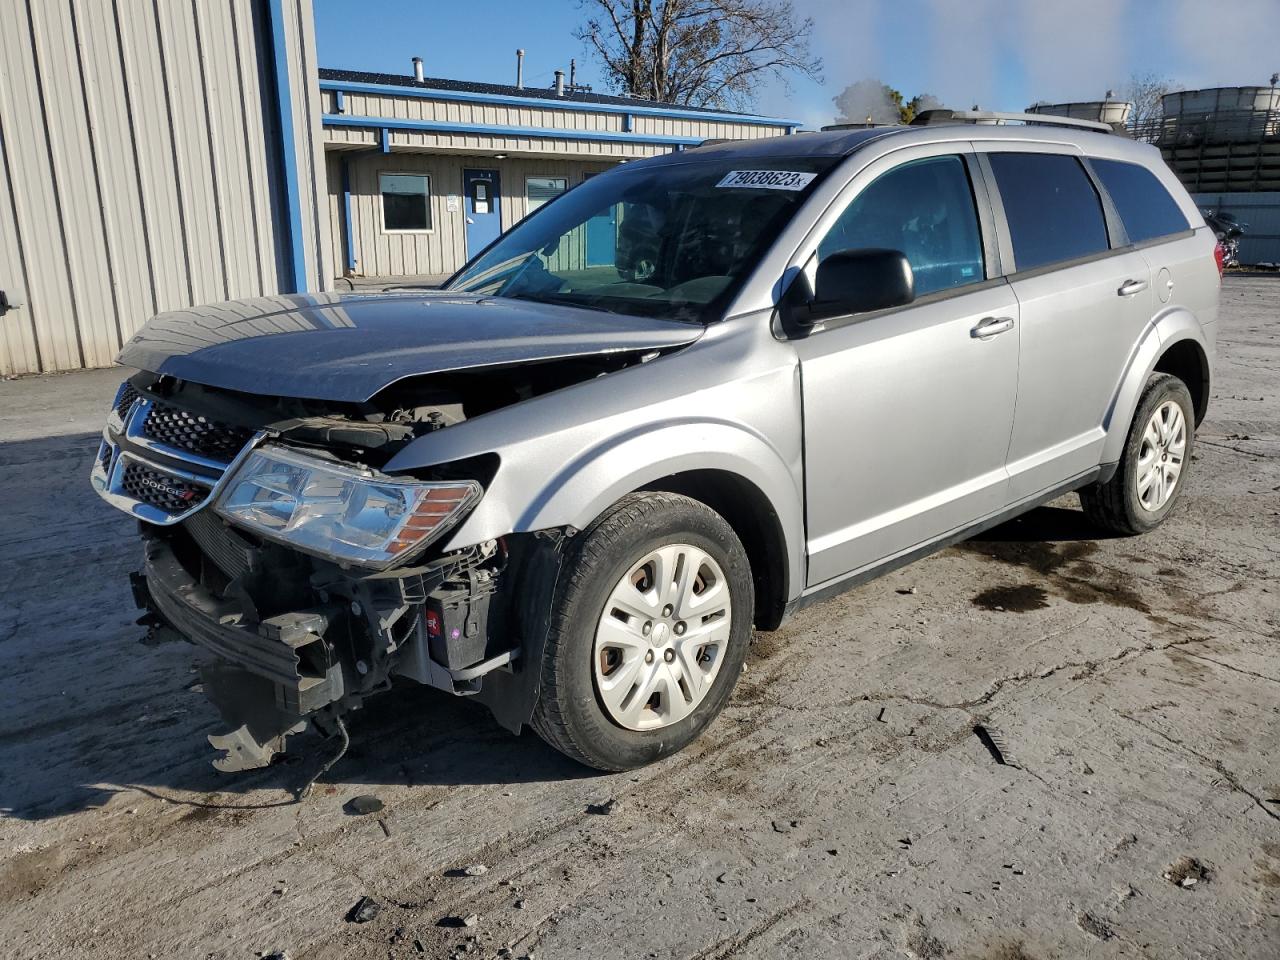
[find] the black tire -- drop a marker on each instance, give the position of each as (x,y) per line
(1115,505)
(569,715)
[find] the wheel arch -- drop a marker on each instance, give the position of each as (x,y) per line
(1174,343)
(747,509)
(1187,360)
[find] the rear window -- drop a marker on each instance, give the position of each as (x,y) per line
(1053,211)
(1144,205)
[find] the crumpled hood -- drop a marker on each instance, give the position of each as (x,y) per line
(348,347)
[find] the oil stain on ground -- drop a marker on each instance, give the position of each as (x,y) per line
(1066,567)
(1012,599)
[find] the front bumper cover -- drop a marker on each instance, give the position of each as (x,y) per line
(269,675)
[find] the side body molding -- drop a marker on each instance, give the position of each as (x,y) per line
(1165,329)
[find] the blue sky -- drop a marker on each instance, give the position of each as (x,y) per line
(1001,54)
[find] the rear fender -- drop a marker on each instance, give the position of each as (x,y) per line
(1165,330)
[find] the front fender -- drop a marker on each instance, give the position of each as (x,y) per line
(730,403)
(1164,330)
(586,484)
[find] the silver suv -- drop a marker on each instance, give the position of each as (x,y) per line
(686,398)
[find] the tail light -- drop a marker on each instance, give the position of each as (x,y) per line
(1220,257)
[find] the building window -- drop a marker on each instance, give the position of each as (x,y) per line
(541,189)
(406,201)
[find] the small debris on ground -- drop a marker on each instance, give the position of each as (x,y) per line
(1186,872)
(1094,926)
(785,826)
(366,909)
(365,803)
(470,920)
(908,591)
(476,870)
(604,808)
(995,743)
(386,831)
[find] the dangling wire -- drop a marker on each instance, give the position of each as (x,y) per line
(342,752)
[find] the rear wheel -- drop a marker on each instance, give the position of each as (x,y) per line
(650,629)
(1153,465)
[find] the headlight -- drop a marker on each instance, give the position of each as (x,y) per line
(340,512)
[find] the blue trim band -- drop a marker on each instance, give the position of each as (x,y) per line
(346,214)
(296,261)
(639,109)
(546,133)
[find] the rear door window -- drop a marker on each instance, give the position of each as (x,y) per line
(924,209)
(1053,211)
(1144,205)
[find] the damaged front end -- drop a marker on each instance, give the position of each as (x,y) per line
(273,541)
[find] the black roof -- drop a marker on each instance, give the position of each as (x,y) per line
(532,93)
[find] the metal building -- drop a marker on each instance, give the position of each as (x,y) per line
(424,172)
(153,155)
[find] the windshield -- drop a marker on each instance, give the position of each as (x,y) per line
(673,240)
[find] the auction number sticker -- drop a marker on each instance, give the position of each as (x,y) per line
(767,179)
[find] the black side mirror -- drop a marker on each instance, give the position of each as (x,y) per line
(852,281)
(858,281)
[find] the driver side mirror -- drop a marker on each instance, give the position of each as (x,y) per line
(852,281)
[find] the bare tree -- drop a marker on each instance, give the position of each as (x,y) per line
(1144,91)
(698,52)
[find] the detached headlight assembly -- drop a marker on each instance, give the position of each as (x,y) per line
(339,512)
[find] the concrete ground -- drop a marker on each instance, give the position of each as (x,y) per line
(841,807)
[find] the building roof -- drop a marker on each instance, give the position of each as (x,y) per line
(505,90)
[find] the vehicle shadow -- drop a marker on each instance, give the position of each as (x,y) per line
(1048,524)
(86,711)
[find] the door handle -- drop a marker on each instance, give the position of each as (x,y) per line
(989,327)
(1130,287)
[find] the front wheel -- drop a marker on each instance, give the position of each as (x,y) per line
(1153,465)
(650,628)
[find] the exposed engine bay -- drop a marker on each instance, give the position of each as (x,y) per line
(300,638)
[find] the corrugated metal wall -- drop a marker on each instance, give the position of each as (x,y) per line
(443,249)
(142,168)
(1261,211)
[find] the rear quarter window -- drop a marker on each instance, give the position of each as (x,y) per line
(1053,211)
(1144,205)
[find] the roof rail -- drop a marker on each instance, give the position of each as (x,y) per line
(933,117)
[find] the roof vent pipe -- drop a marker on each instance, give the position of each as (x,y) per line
(519,69)
(559,83)
(417,69)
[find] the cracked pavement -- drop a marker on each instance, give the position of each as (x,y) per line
(841,807)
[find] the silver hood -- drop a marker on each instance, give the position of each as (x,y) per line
(348,347)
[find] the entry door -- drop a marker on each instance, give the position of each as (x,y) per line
(1083,308)
(1079,326)
(480,189)
(907,413)
(906,424)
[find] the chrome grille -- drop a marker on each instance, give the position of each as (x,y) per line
(163,468)
(161,490)
(193,432)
